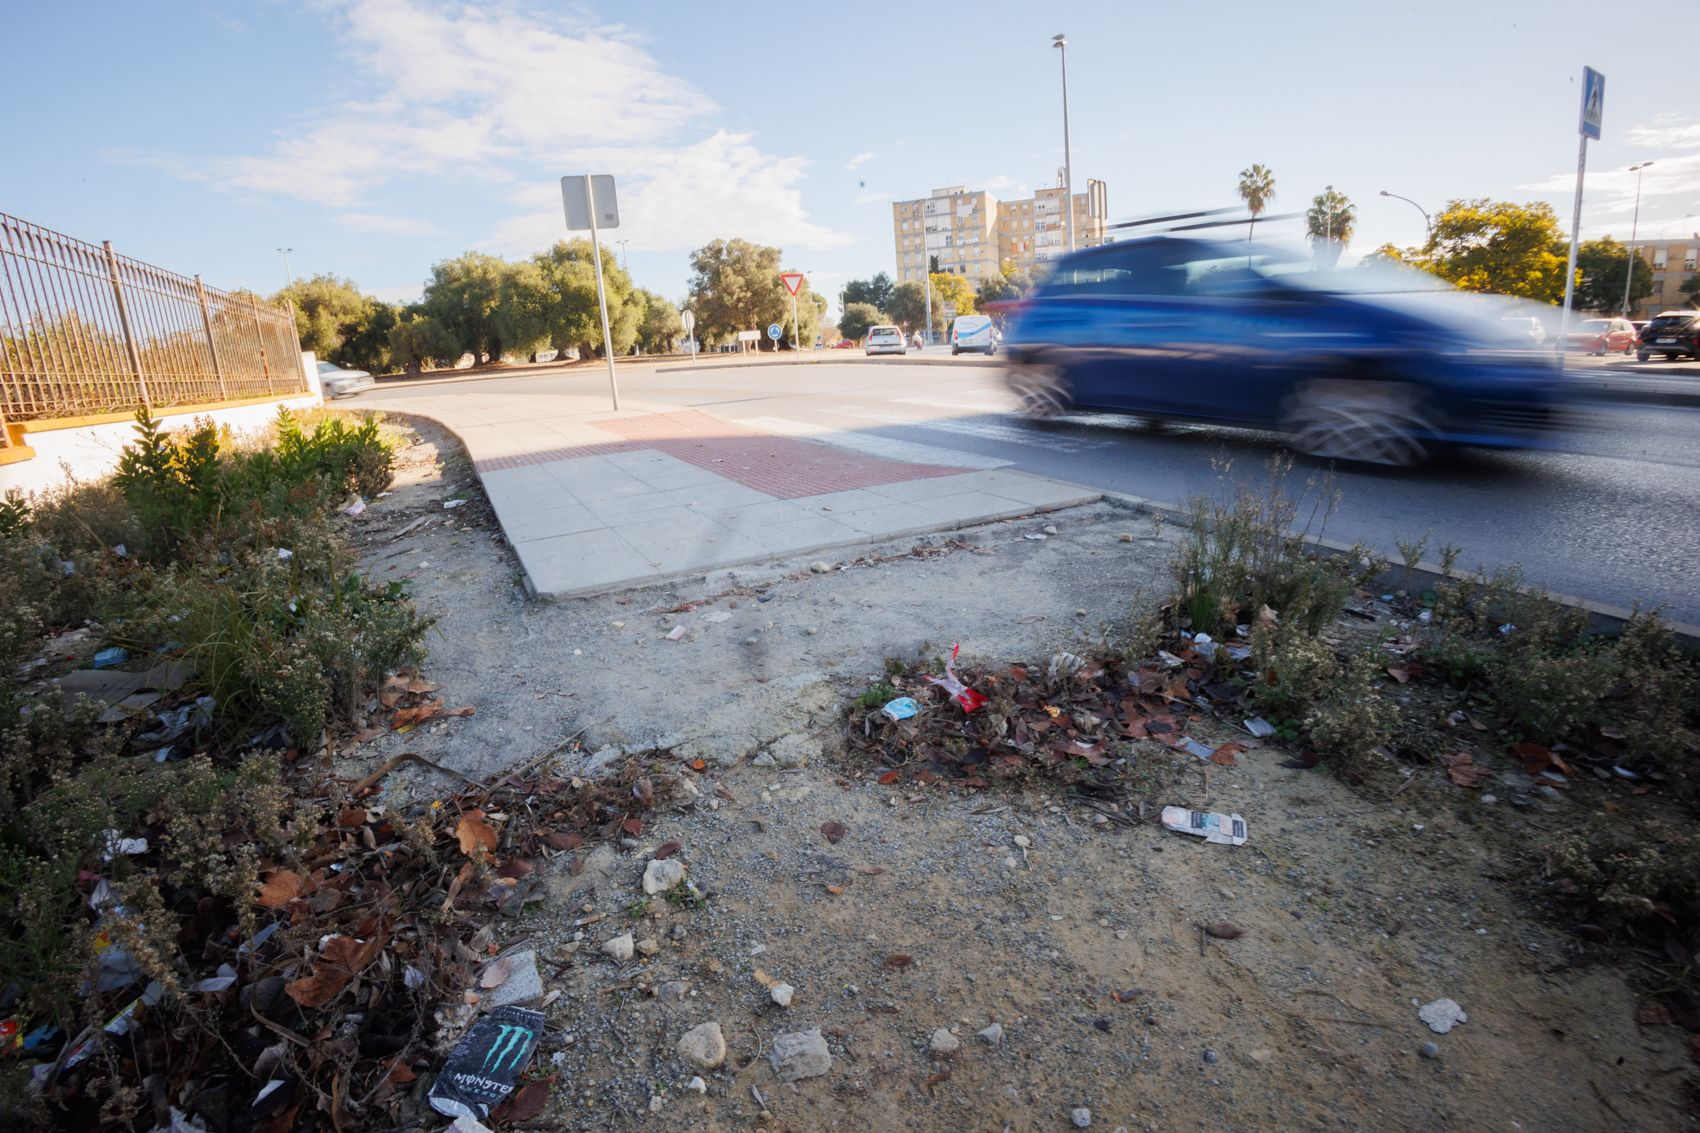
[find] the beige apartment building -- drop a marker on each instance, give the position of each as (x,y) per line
(1673,263)
(972,233)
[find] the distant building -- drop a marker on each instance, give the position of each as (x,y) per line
(972,233)
(1673,263)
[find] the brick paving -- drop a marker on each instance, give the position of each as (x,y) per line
(779,466)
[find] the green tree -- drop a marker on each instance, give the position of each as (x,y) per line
(1257,189)
(857,318)
(417,341)
(1393,254)
(1600,266)
(1329,222)
(550,301)
(1011,283)
(1498,246)
(1691,290)
(340,324)
(875,292)
(735,286)
(661,326)
(908,307)
(953,289)
(463,294)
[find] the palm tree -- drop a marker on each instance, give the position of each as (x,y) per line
(1257,189)
(1329,222)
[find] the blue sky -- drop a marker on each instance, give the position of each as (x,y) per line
(375,137)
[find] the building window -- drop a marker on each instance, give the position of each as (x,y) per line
(1660,258)
(1688,258)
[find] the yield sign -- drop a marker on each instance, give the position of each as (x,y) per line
(792,280)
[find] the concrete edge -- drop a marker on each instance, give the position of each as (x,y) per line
(1602,618)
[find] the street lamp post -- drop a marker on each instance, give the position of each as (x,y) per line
(1629,265)
(284,252)
(622,244)
(1427,222)
(1060,42)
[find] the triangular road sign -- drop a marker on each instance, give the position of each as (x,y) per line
(792,280)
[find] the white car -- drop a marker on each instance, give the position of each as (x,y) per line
(884,340)
(335,381)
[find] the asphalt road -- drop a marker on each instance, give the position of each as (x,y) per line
(1611,511)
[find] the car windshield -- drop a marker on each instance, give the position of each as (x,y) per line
(327,367)
(1372,277)
(1669,322)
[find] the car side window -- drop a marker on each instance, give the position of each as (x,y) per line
(1149,271)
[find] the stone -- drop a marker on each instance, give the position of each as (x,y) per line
(662,874)
(1050,530)
(673,991)
(656,1101)
(794,750)
(1547,792)
(1429,1050)
(811,631)
(1211,1057)
(800,1054)
(1081,1116)
(698,1085)
(1442,1015)
(1124,537)
(992,1035)
(944,1043)
(821,567)
(524,984)
(1023,841)
(1261,1055)
(781,993)
(647,947)
(703,1046)
(620,947)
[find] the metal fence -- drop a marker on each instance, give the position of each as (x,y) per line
(84,330)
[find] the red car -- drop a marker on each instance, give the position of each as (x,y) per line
(1603,336)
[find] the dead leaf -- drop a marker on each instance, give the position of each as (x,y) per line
(667,850)
(1223,931)
(400,1071)
(467,711)
(340,960)
(698,765)
(1461,769)
(352,817)
(1400,675)
(497,974)
(281,886)
(937,1079)
(1224,755)
(870,870)
(1652,1013)
(888,778)
(1537,759)
(528,1101)
(366,735)
(515,868)
(835,890)
(563,839)
(834,832)
(418,714)
(633,826)
(898,960)
(474,834)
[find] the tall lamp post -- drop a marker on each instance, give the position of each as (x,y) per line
(1629,265)
(284,252)
(622,244)
(1060,42)
(1426,220)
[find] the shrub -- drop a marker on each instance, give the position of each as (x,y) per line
(1353,718)
(1294,669)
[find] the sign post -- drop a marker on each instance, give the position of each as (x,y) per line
(775,332)
(689,322)
(584,197)
(792,281)
(1593,107)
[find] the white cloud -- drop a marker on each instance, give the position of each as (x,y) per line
(1667,131)
(504,95)
(389,225)
(859,159)
(873,198)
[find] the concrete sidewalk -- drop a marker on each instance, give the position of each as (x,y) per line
(594,500)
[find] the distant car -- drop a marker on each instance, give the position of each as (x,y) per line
(844,344)
(972,333)
(1524,330)
(1671,333)
(1602,336)
(885,340)
(1375,364)
(336,381)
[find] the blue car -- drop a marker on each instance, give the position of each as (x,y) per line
(1378,364)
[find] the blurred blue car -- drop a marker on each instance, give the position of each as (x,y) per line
(1377,364)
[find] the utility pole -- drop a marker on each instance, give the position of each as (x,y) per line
(1060,42)
(1629,265)
(284,252)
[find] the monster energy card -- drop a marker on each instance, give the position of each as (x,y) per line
(485,1064)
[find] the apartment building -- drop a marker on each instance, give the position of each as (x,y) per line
(972,233)
(1673,263)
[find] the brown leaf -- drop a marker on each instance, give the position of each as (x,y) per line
(420,684)
(870,870)
(937,1079)
(515,868)
(475,834)
(835,890)
(698,764)
(834,832)
(400,1071)
(497,973)
(340,960)
(281,886)
(352,817)
(633,826)
(1224,755)
(1652,1013)
(367,735)
(418,714)
(1461,769)
(1537,759)
(898,960)
(667,850)
(530,1099)
(1400,675)
(1223,931)
(467,711)
(563,839)
(888,778)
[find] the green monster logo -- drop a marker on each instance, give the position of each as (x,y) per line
(510,1046)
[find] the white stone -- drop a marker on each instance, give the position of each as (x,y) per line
(1081,1116)
(703,1046)
(662,874)
(698,1085)
(943,1042)
(648,947)
(1442,1015)
(781,993)
(992,1034)
(800,1054)
(620,947)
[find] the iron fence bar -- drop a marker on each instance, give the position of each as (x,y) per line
(36,311)
(260,339)
(124,319)
(212,343)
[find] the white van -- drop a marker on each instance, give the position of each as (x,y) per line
(972,332)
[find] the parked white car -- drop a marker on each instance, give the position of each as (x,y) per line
(335,381)
(884,340)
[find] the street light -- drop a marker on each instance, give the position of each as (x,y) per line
(1060,42)
(622,244)
(284,252)
(1629,267)
(1426,221)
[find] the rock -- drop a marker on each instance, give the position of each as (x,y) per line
(1429,1050)
(677,633)
(781,993)
(698,1085)
(1023,841)
(703,1046)
(1080,611)
(1124,537)
(662,874)
(648,947)
(821,567)
(1547,792)
(1051,530)
(673,991)
(656,1101)
(752,640)
(1261,1055)
(992,1035)
(811,631)
(1081,1116)
(1489,800)
(524,984)
(604,758)
(800,1054)
(1211,1057)
(944,1043)
(794,751)
(1442,1015)
(620,947)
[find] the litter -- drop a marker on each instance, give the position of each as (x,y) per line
(902,708)
(1237,652)
(1205,644)
(675,633)
(959,692)
(121,551)
(111,657)
(1442,1015)
(1035,536)
(486,1062)
(221,982)
(284,554)
(1193,747)
(116,1026)
(1259,727)
(450,505)
(1223,829)
(1507,628)
(1624,772)
(355,508)
(1170,661)
(1426,616)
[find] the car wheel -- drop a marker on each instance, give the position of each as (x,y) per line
(1641,357)
(1041,389)
(1366,422)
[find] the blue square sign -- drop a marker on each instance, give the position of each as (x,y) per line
(1593,102)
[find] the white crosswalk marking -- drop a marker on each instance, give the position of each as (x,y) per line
(884,447)
(1000,431)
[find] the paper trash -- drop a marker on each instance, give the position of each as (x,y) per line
(1224,829)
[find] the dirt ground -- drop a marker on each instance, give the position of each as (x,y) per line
(1084,944)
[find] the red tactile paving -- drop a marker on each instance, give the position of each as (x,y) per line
(544,456)
(782,467)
